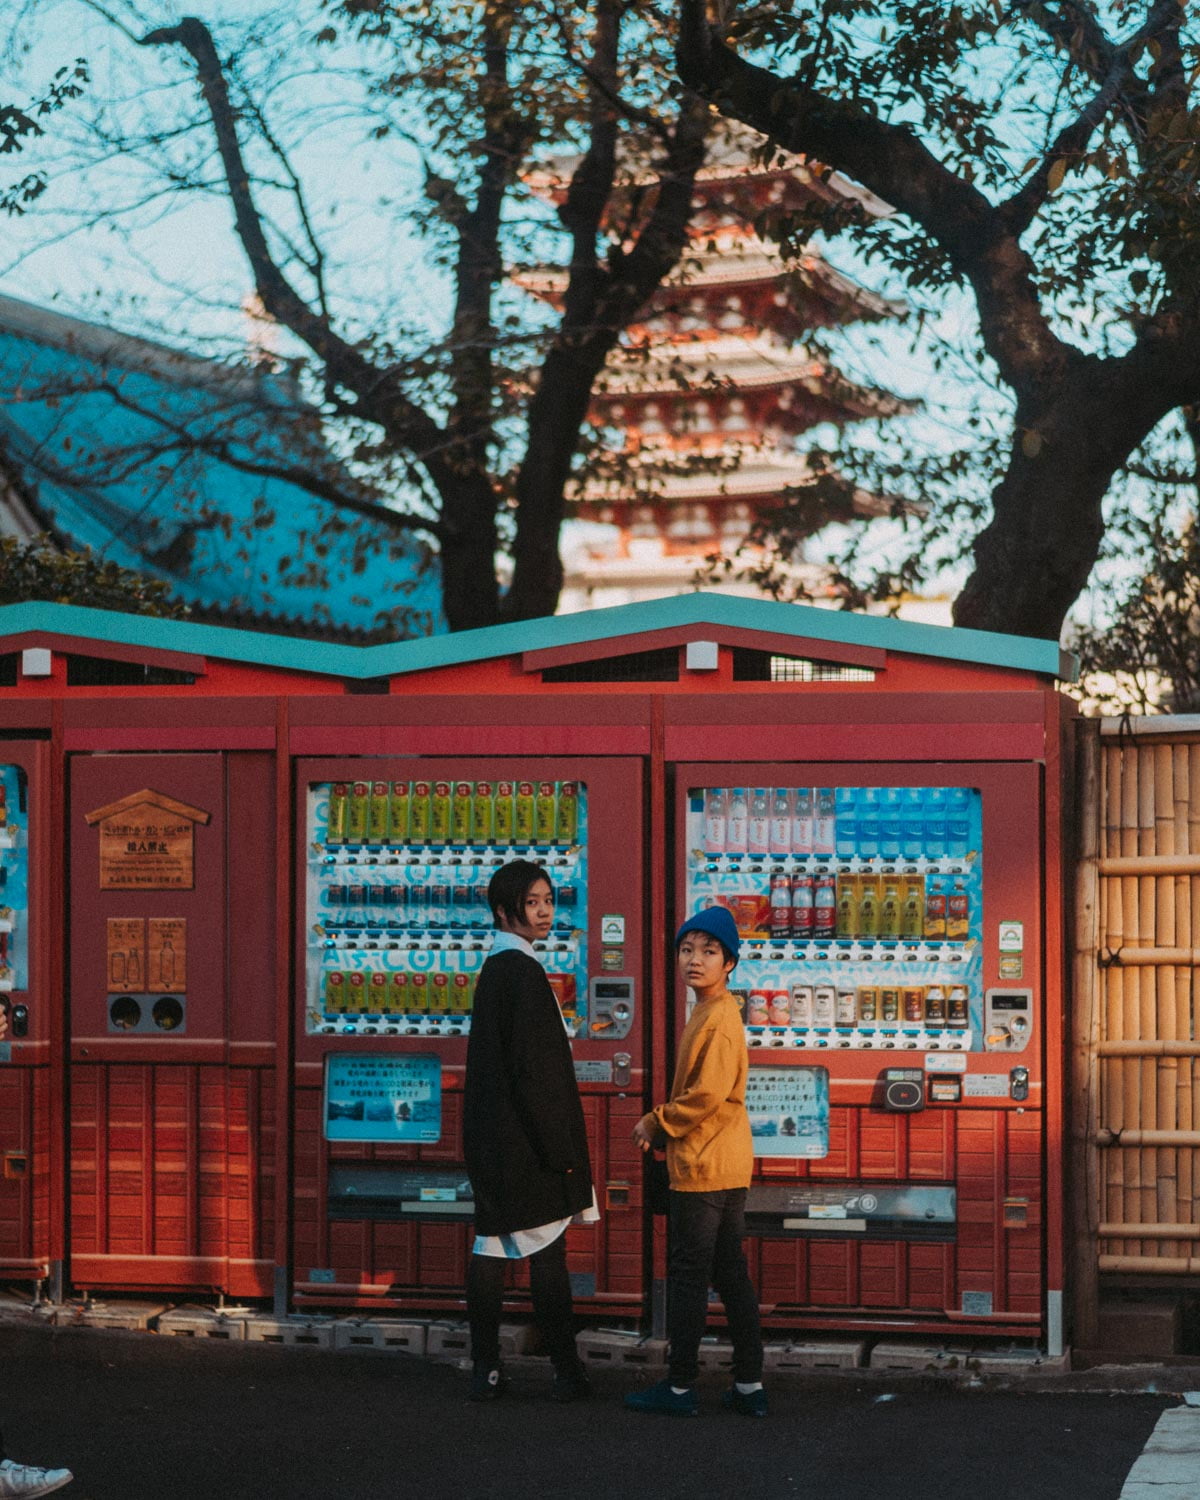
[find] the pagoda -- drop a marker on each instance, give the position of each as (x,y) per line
(701,409)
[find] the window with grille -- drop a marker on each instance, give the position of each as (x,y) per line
(98,671)
(768,666)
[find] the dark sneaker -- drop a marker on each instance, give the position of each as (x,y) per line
(746,1403)
(573,1384)
(487,1383)
(660,1400)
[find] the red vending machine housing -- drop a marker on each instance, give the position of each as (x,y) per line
(392,929)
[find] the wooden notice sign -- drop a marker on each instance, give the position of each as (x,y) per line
(125,963)
(146,843)
(166,970)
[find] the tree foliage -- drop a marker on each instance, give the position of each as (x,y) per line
(40,570)
(1041,158)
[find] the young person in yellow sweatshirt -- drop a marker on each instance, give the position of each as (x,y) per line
(709,1161)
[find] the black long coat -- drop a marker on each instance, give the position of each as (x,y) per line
(523,1129)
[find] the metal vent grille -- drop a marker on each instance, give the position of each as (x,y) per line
(661,665)
(765,666)
(97,671)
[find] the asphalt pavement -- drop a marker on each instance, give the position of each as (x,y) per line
(142,1417)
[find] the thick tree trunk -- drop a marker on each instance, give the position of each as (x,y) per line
(1034,557)
(470,591)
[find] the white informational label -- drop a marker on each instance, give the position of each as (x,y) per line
(612,929)
(593,1070)
(985,1086)
(945,1062)
(1012,937)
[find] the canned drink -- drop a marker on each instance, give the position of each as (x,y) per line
(418,904)
(802,1005)
(802,907)
(356,998)
(958,1007)
(824,1005)
(779,1008)
(502,813)
(377,813)
(377,993)
(418,993)
(847,905)
(398,810)
(440,896)
(846,1007)
(335,895)
(335,826)
(482,810)
(439,813)
(460,995)
(868,1004)
(935,1005)
(523,816)
(758,1007)
(460,813)
(544,814)
(889,1004)
(914,1004)
(335,991)
(566,826)
(397,1002)
(356,817)
(420,813)
(356,895)
(439,994)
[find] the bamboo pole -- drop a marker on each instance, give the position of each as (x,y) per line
(1159,1047)
(1189,1022)
(1166,1182)
(1148,958)
(1128,1167)
(1155,1265)
(1144,1139)
(1147,988)
(1086,1025)
(1151,864)
(1180,757)
(1151,1231)
(1112,1099)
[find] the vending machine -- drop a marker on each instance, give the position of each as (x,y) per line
(890,982)
(397,856)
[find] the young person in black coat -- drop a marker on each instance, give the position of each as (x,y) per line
(524,1137)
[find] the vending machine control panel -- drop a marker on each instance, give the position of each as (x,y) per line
(610,1005)
(1007,1020)
(903,1090)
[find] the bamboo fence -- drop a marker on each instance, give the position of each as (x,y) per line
(1136,1044)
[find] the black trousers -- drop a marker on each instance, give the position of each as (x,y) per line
(705,1249)
(550,1287)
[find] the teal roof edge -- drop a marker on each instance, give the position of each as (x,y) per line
(291,653)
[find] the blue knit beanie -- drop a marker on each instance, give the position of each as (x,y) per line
(717,922)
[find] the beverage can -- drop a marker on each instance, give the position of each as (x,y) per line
(523,813)
(356,819)
(847,905)
(439,993)
(439,815)
(460,995)
(868,1004)
(356,985)
(802,1005)
(377,813)
(802,821)
(566,826)
(958,910)
(802,907)
(398,811)
(958,1007)
(335,895)
(503,813)
(419,813)
(935,1005)
(544,814)
(397,1003)
(935,907)
(418,993)
(914,1004)
(781,905)
(824,1004)
(846,1007)
(757,1007)
(889,1004)
(779,1008)
(335,827)
(377,994)
(460,813)
(335,991)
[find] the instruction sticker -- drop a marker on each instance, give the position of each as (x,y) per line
(125,962)
(612,930)
(985,1086)
(1012,937)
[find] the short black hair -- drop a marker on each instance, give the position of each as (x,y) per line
(509,886)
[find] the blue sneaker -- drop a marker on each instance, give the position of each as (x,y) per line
(746,1403)
(660,1400)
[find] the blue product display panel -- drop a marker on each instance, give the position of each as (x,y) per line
(14,880)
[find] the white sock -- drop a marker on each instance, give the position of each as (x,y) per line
(746,1387)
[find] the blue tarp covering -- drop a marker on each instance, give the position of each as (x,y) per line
(99,433)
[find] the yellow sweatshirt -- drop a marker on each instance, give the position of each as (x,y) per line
(705,1119)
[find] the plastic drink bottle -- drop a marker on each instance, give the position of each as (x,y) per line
(846,839)
(912,823)
(891,823)
(714,820)
(802,821)
(781,823)
(758,828)
(868,824)
(824,822)
(736,830)
(958,823)
(935,823)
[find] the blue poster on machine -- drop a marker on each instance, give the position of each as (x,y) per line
(382,1098)
(789,1111)
(14,880)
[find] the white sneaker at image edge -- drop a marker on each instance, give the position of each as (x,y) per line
(20,1482)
